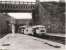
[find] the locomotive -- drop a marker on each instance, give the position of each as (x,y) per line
(32,30)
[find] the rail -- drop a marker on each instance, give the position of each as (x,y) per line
(16,2)
(56,34)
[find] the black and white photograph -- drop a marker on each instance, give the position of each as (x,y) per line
(32,25)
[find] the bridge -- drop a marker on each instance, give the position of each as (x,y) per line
(35,8)
(17,6)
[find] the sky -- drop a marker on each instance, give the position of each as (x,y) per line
(21,15)
(30,0)
(24,15)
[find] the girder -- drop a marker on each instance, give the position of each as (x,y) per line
(13,6)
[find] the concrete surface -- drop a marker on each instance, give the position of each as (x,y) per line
(25,42)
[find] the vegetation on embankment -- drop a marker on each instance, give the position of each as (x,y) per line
(56,17)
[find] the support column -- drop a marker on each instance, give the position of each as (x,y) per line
(35,13)
(13,29)
(13,26)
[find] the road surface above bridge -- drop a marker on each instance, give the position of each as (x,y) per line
(25,42)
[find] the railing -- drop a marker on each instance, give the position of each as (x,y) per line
(16,2)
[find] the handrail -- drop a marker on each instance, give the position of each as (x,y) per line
(16,2)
